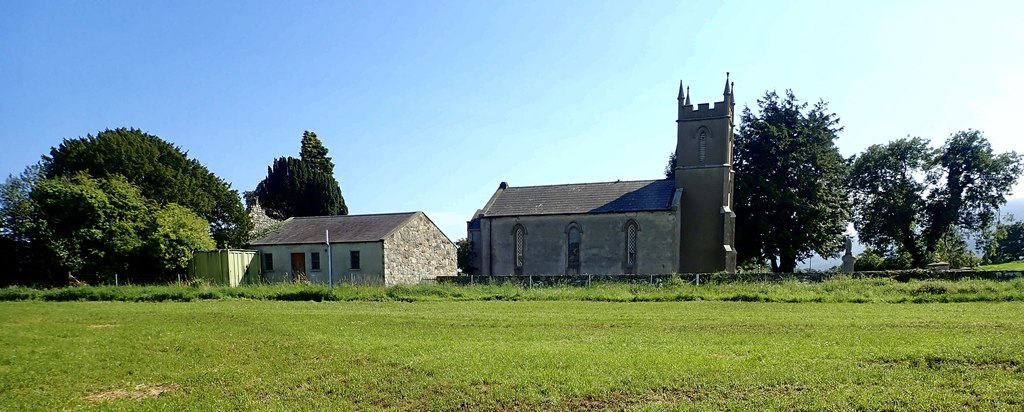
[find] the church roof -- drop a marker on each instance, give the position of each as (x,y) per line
(343,229)
(578,198)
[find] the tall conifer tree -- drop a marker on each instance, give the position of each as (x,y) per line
(790,202)
(302,187)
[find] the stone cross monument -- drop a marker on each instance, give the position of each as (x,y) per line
(848,258)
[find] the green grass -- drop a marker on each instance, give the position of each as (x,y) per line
(239,354)
(837,290)
(1019,265)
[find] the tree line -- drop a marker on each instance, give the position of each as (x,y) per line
(125,202)
(910,203)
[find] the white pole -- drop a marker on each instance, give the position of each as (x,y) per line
(330,268)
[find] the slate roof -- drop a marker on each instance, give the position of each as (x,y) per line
(578,198)
(343,229)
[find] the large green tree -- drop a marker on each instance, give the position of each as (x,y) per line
(17,221)
(161,171)
(90,227)
(789,198)
(175,236)
(96,228)
(1006,244)
(16,217)
(910,198)
(302,187)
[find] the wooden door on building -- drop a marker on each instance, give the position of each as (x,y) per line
(298,266)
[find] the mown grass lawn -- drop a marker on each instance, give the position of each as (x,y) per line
(498,355)
(1019,265)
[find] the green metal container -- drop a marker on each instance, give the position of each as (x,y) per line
(230,267)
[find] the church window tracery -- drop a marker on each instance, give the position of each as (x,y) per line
(518,240)
(631,246)
(702,148)
(573,239)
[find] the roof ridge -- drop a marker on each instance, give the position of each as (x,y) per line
(362,215)
(587,183)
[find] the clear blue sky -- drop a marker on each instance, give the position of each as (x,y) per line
(429,105)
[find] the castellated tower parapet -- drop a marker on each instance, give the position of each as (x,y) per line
(723,108)
(705,111)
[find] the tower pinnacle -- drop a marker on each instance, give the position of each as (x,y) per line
(680,91)
(728,91)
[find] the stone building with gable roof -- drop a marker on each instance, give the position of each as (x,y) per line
(679,225)
(383,249)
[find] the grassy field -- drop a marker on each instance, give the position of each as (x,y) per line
(240,354)
(1004,266)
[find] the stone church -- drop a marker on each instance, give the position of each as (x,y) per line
(679,225)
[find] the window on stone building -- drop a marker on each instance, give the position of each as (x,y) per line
(314,260)
(573,259)
(702,149)
(518,243)
(631,246)
(353,259)
(268,261)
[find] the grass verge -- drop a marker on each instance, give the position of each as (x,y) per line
(835,290)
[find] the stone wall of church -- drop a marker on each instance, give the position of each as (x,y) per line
(602,243)
(417,251)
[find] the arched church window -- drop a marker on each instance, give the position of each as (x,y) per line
(518,242)
(631,246)
(702,148)
(573,239)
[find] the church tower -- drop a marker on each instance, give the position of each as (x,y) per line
(704,174)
